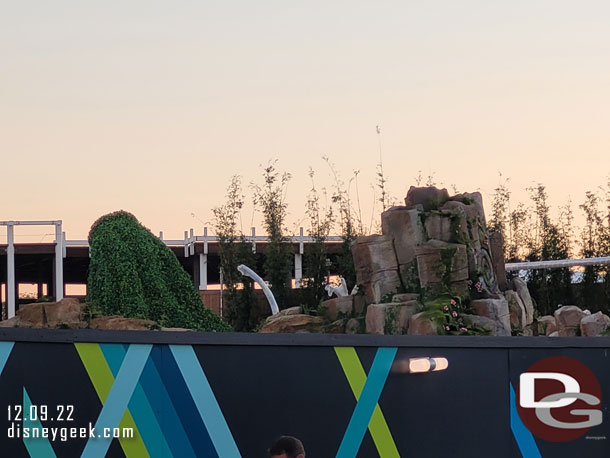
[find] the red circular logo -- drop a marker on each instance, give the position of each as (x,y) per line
(546,408)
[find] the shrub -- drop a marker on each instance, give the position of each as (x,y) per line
(270,198)
(321,220)
(235,250)
(132,273)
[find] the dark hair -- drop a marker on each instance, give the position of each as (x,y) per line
(289,445)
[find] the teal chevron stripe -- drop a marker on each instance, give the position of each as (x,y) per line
(118,399)
(356,429)
(206,402)
(39,447)
(5,351)
(141,411)
(165,410)
(525,440)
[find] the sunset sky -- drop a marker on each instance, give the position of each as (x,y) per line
(151,106)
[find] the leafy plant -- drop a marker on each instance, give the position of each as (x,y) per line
(270,198)
(350,223)
(530,233)
(446,312)
(235,250)
(321,220)
(133,274)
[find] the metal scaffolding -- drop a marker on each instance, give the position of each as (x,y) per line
(201,269)
(11,286)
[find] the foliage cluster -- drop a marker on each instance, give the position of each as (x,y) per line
(323,211)
(532,234)
(447,312)
(350,221)
(270,198)
(321,221)
(234,250)
(133,274)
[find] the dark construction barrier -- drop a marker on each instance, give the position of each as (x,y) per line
(186,394)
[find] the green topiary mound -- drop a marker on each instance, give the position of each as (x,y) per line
(132,273)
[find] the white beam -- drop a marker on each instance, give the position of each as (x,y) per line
(205,240)
(300,238)
(186,246)
(10,272)
(221,290)
(558,264)
(59,263)
(29,223)
(298,261)
(298,269)
(203,272)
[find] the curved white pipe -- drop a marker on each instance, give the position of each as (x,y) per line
(246,271)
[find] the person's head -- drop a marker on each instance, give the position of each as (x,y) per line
(287,447)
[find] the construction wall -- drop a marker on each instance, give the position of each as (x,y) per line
(189,394)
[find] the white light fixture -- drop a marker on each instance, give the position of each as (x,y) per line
(419,365)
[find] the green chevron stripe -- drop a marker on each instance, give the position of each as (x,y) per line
(101,376)
(356,377)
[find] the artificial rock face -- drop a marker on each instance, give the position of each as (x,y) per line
(440,244)
(435,241)
(376,266)
(405,227)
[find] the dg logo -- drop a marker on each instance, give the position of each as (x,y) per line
(559,399)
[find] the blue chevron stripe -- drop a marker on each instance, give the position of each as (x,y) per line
(140,408)
(525,440)
(5,351)
(118,399)
(164,410)
(206,402)
(183,402)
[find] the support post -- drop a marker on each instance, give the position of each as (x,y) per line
(298,269)
(253,240)
(203,272)
(59,263)
(203,262)
(10,269)
(221,291)
(298,262)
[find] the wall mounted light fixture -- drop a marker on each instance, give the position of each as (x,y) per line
(419,365)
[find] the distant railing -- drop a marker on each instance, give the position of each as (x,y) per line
(190,238)
(188,243)
(558,264)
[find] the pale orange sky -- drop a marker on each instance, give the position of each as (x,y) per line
(152,106)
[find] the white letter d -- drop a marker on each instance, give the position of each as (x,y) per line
(527,389)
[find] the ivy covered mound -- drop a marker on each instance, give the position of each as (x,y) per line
(132,273)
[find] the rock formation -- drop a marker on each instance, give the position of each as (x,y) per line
(438,245)
(436,269)
(69,313)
